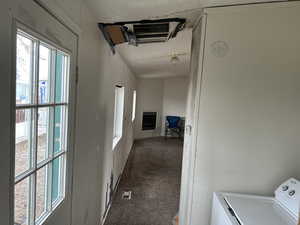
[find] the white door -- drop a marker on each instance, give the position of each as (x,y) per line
(191,122)
(43,91)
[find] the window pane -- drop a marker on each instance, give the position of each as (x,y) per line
(59,129)
(22,191)
(24,70)
(58,174)
(119,109)
(24,140)
(61,78)
(116,112)
(41,192)
(133,105)
(44,75)
(44,132)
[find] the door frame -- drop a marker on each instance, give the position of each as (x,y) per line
(18,23)
(190,147)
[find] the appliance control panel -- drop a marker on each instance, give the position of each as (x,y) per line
(288,195)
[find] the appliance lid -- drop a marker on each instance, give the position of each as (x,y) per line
(253,210)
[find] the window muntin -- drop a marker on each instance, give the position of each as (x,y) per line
(42,77)
(133,104)
(118,114)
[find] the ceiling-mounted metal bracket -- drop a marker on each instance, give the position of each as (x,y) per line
(140,32)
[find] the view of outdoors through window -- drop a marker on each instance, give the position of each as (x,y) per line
(118,114)
(133,105)
(42,76)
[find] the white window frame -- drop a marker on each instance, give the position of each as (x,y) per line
(133,105)
(35,106)
(118,114)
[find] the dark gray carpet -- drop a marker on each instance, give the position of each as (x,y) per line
(153,174)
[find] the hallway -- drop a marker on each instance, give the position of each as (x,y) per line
(152,173)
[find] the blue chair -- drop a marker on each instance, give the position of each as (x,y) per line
(173,126)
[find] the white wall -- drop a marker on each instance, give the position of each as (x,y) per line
(99,72)
(174,98)
(149,99)
(95,161)
(249,123)
(167,96)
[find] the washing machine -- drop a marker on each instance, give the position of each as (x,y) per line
(242,209)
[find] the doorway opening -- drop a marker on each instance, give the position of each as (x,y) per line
(153,169)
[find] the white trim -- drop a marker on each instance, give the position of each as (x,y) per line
(31,173)
(105,215)
(52,7)
(116,141)
(32,23)
(187,199)
(34,35)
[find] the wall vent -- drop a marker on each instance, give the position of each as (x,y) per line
(152,32)
(127,195)
(149,121)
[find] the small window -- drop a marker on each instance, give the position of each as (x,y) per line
(118,115)
(42,76)
(133,105)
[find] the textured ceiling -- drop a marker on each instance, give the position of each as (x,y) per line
(121,10)
(153,60)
